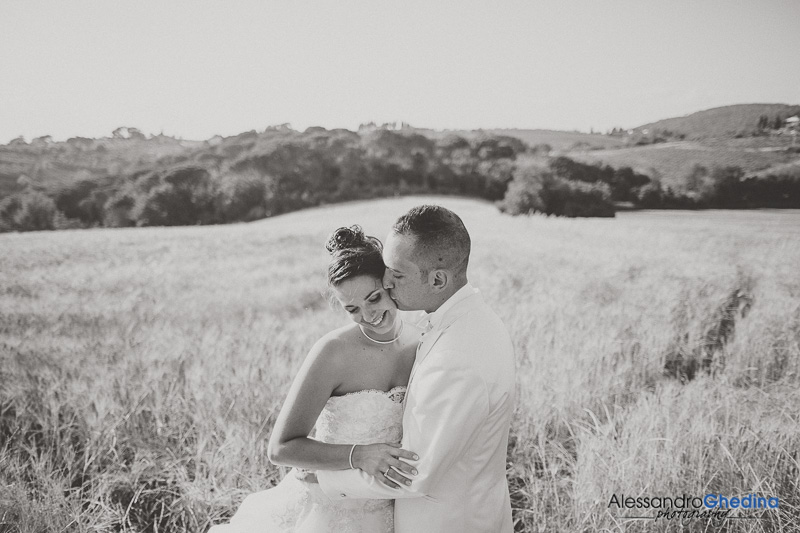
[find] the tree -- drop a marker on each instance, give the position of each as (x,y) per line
(128,133)
(28,211)
(541,190)
(695,180)
(624,183)
(651,196)
(182,197)
(727,186)
(242,197)
(118,210)
(523,195)
(9,207)
(69,200)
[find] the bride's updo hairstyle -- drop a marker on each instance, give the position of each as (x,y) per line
(353,254)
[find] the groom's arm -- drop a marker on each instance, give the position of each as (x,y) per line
(450,404)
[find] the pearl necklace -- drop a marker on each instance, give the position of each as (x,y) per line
(399,332)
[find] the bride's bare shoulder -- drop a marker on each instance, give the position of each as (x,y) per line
(336,344)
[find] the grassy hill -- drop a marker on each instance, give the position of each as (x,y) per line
(672,162)
(727,121)
(141,369)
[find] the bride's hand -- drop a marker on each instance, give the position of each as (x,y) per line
(383,462)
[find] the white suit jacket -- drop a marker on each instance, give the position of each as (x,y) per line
(457,414)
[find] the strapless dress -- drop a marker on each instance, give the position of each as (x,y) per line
(294,506)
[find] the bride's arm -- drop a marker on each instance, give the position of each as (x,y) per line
(289,445)
(451,404)
(316,380)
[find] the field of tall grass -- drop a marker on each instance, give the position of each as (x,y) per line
(141,370)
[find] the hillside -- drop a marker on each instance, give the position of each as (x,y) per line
(672,162)
(727,121)
(132,180)
(54,165)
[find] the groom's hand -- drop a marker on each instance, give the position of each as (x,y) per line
(383,461)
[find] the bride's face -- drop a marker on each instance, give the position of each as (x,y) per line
(367,303)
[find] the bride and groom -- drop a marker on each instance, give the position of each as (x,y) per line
(393,426)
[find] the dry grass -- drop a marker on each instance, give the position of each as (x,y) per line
(141,369)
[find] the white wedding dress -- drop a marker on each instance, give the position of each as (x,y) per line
(294,506)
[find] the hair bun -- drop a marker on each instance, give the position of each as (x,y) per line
(344,238)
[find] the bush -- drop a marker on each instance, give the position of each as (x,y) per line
(70,201)
(27,211)
(781,191)
(537,190)
(92,207)
(623,183)
(8,211)
(523,194)
(497,175)
(184,196)
(576,199)
(165,205)
(118,210)
(242,197)
(727,189)
(651,196)
(732,190)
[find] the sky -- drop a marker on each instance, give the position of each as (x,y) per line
(195,69)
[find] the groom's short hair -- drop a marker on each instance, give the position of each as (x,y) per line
(440,238)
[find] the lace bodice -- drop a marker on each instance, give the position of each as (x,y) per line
(363,417)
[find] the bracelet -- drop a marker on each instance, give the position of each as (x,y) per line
(350,459)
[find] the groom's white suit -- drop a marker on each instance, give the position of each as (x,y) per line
(458,410)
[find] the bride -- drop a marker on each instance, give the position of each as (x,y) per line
(349,392)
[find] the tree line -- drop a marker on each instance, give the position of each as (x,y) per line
(569,188)
(253,176)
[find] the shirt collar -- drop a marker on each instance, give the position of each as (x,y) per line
(461,294)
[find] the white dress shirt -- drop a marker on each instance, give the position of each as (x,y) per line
(459,403)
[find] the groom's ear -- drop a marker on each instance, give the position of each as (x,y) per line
(440,279)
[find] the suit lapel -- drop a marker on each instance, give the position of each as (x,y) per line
(423,349)
(426,345)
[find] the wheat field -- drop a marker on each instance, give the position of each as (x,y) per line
(141,370)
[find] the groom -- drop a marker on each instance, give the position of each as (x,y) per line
(461,392)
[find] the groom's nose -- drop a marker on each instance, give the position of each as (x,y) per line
(388,279)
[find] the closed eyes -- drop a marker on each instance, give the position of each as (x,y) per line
(375,299)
